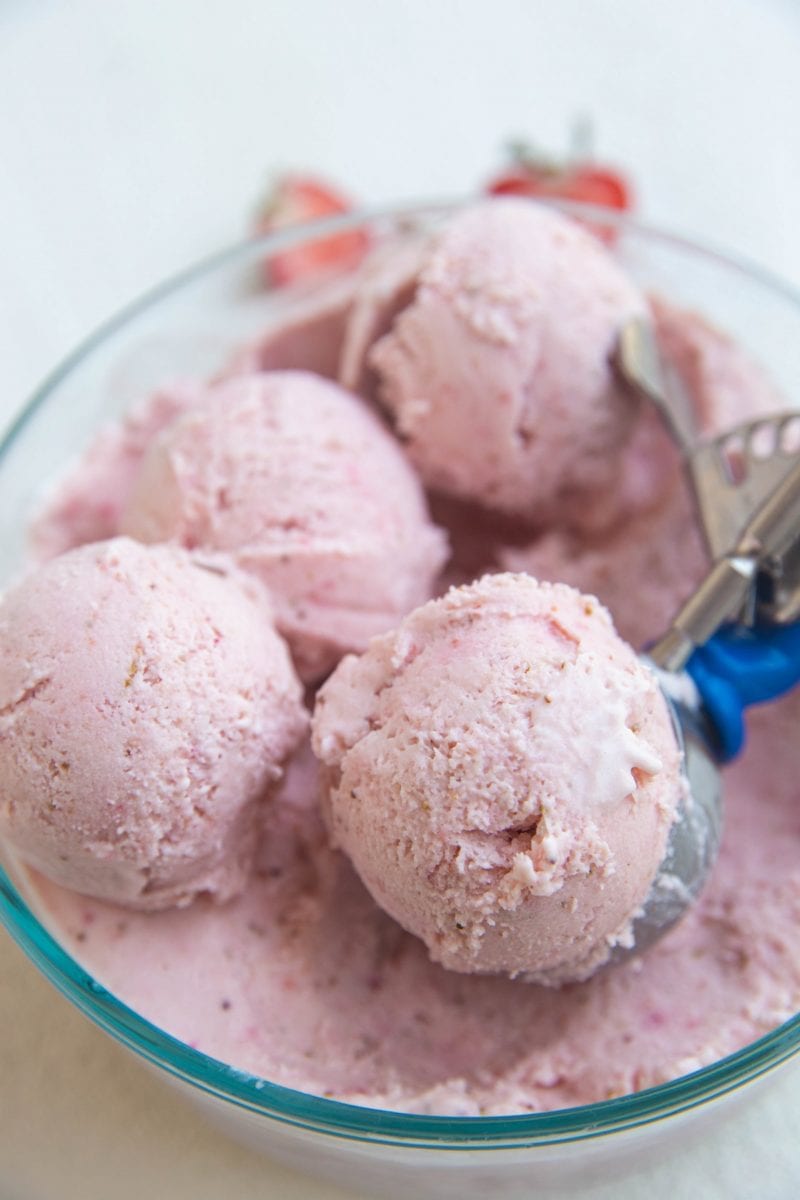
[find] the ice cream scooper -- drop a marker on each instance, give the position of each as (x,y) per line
(730,475)
(712,665)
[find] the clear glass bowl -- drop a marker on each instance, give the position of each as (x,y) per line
(190,325)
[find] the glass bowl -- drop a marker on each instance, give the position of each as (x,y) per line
(190,325)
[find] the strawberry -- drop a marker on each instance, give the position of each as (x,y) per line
(293,200)
(578,178)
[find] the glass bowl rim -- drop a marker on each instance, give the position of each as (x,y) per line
(305,1110)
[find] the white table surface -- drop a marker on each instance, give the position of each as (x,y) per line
(135,135)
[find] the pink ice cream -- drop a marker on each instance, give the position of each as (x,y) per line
(298,481)
(497,373)
(85,505)
(146,708)
(384,286)
(303,979)
(642,570)
(503,775)
(726,384)
(306,335)
(644,567)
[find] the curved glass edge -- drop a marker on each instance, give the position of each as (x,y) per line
(354,1122)
(273,243)
(304,1110)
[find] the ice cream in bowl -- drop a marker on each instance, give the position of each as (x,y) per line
(235,508)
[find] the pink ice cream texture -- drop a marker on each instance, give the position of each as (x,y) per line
(146,708)
(497,373)
(305,981)
(503,773)
(296,480)
(657,541)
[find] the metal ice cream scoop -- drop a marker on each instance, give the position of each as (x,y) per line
(711,667)
(733,642)
(730,475)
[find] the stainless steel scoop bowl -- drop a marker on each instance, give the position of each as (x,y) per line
(735,641)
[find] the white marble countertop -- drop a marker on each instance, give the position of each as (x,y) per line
(134,137)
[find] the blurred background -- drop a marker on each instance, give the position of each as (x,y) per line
(138,135)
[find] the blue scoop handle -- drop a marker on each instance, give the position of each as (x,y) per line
(738,667)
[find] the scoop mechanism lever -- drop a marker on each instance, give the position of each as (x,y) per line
(731,476)
(711,668)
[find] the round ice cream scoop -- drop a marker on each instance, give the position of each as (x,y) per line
(503,772)
(302,486)
(146,708)
(512,783)
(496,367)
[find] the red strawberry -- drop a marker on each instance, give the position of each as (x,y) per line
(576,179)
(298,198)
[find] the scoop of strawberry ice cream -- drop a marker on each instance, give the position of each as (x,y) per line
(302,485)
(497,373)
(146,707)
(503,772)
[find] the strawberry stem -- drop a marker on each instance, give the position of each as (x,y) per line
(581,140)
(525,155)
